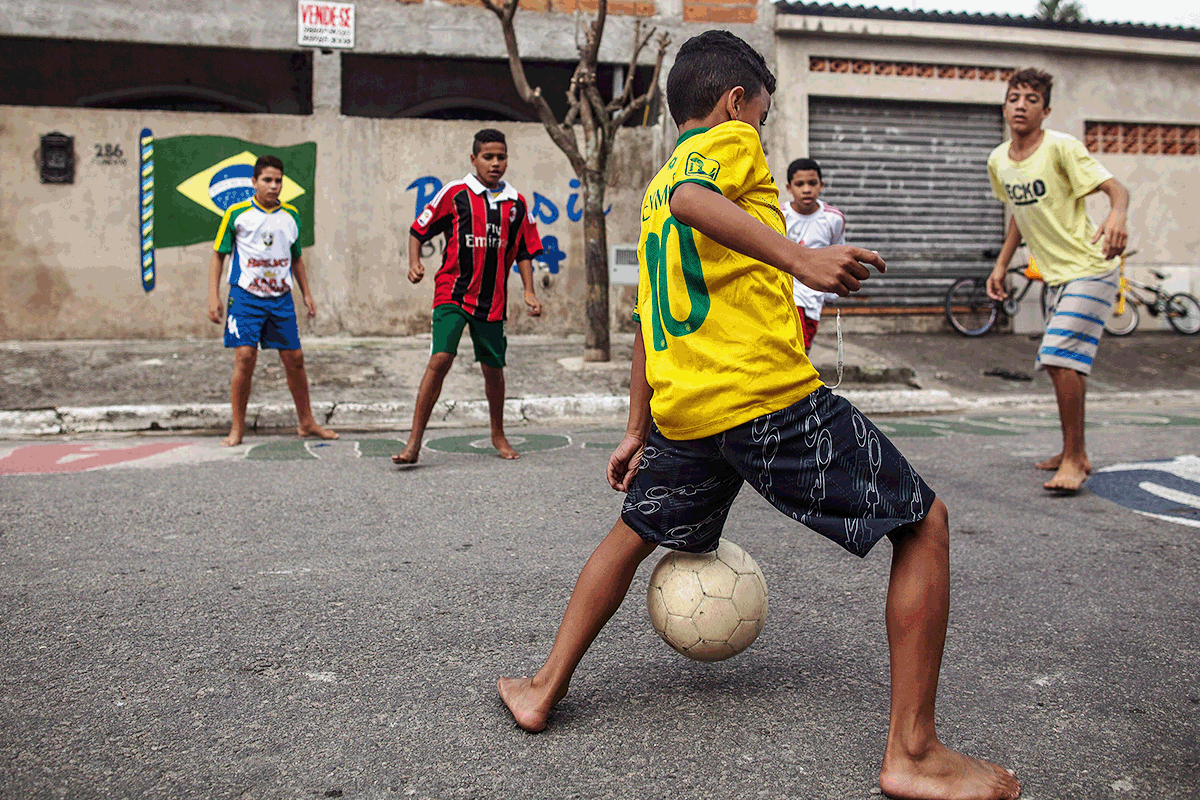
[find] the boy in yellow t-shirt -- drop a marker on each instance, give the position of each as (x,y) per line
(1045,176)
(716,399)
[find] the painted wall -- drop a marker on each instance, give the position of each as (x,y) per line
(69,253)
(1098,78)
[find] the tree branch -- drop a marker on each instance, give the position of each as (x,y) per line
(639,43)
(638,103)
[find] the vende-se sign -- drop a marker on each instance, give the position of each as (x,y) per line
(326,24)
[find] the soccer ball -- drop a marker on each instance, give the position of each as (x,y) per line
(708,606)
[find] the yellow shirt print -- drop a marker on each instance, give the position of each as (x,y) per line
(722,336)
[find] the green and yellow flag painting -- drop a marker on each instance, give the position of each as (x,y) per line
(198,177)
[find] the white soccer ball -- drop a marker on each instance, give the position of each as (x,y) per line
(708,606)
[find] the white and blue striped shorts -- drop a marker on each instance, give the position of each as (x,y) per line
(1077,312)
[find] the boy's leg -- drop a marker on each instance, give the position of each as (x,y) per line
(493,386)
(446,326)
(598,593)
(491,351)
(915,763)
(244,359)
(297,380)
(1071,465)
(427,396)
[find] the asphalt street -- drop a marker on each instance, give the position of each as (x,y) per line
(283,620)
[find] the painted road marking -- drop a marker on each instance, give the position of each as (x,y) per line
(529,443)
(1166,490)
(47,458)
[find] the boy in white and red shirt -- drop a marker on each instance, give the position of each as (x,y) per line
(813,223)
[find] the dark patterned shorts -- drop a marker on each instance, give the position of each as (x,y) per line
(820,461)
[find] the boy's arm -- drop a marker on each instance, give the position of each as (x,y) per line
(995,281)
(214,286)
(525,266)
(838,269)
(626,459)
(416,270)
(301,276)
(1113,229)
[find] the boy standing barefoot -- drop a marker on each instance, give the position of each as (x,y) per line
(487,227)
(812,222)
(1044,176)
(264,237)
(716,399)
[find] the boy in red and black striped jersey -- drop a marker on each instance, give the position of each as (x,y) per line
(487,227)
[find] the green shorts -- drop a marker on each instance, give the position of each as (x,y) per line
(488,337)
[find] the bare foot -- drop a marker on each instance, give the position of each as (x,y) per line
(313,429)
(1054,462)
(234,437)
(1068,479)
(408,455)
(944,774)
(506,449)
(529,705)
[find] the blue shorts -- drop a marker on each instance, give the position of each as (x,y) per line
(266,322)
(820,461)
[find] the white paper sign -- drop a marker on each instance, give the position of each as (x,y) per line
(326,24)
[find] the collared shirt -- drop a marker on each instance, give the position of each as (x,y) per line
(722,336)
(824,227)
(486,232)
(264,244)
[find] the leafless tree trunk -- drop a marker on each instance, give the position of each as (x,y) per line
(599,123)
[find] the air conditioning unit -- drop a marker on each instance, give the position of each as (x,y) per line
(623,265)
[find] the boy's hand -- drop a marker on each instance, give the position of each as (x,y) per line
(311,305)
(1114,233)
(623,464)
(995,284)
(416,271)
(535,307)
(839,269)
(214,310)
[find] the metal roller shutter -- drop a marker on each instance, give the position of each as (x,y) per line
(912,181)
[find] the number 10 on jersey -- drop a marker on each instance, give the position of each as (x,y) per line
(663,322)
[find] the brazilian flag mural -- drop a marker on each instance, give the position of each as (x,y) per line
(198,177)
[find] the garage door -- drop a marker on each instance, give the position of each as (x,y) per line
(912,181)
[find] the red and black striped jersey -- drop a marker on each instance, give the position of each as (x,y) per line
(485,233)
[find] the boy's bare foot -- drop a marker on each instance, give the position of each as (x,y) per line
(1055,461)
(234,437)
(314,429)
(944,774)
(506,449)
(1069,478)
(529,705)
(408,455)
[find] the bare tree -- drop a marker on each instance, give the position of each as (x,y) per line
(599,122)
(1060,10)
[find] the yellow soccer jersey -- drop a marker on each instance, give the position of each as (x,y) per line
(1046,192)
(722,336)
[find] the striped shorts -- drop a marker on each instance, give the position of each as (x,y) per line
(1077,312)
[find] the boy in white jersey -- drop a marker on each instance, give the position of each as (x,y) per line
(814,223)
(1045,176)
(726,395)
(264,237)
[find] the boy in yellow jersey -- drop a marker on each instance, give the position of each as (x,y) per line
(716,399)
(1044,176)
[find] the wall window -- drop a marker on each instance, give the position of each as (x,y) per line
(75,73)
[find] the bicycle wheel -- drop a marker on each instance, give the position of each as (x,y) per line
(1183,312)
(968,308)
(1125,323)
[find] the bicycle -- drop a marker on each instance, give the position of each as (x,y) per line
(972,313)
(1181,309)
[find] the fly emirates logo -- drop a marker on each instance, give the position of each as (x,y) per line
(492,239)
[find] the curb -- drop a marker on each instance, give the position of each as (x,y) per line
(349,415)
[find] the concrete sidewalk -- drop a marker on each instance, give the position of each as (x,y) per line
(65,387)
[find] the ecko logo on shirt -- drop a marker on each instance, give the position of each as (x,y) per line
(1025,194)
